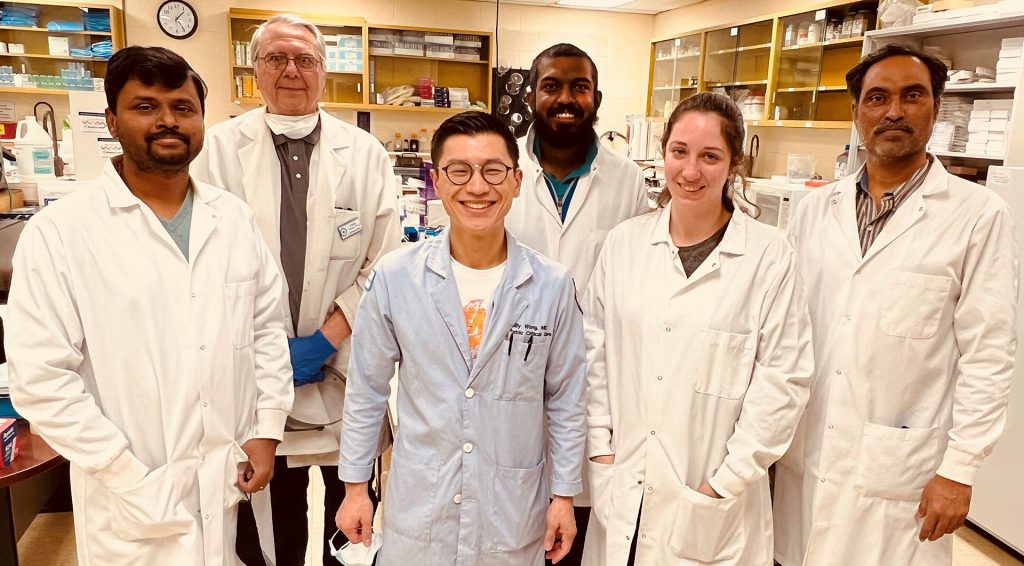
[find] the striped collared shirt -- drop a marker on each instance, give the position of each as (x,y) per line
(871,221)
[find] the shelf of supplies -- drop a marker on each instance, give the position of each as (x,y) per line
(62,32)
(737,83)
(844,42)
(802,46)
(676,58)
(425,58)
(980,22)
(963,155)
(27,90)
(61,57)
(979,87)
(739,49)
(815,124)
(797,89)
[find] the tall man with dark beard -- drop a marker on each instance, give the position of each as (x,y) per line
(573,190)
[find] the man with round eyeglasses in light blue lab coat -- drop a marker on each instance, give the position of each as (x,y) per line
(489,340)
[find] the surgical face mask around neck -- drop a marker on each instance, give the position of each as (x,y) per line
(356,554)
(292,127)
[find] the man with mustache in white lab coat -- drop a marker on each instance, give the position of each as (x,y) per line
(145,338)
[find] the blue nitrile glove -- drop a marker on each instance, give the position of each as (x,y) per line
(308,356)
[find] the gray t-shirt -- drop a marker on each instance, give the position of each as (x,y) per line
(693,256)
(179,226)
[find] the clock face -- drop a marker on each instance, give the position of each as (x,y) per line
(177,19)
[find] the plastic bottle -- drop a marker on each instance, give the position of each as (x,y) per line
(33,149)
(857,29)
(847,26)
(414,143)
(397,143)
(841,163)
(424,141)
(790,37)
(66,148)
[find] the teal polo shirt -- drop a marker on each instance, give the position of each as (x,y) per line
(562,189)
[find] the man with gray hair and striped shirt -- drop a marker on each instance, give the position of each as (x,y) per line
(322,193)
(911,282)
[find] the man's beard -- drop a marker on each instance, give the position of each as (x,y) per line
(152,162)
(567,138)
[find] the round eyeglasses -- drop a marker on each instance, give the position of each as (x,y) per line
(493,173)
(278,61)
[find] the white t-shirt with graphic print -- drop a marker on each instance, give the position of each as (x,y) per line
(476,290)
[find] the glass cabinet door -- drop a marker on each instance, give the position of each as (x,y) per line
(675,74)
(800,57)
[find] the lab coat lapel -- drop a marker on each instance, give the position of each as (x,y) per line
(204,220)
(843,212)
(261,170)
(911,211)
(508,305)
(445,293)
(539,189)
(329,171)
(579,195)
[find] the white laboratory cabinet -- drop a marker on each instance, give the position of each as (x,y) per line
(998,488)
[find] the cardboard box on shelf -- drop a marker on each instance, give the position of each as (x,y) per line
(11,199)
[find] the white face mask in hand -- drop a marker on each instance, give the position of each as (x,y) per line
(356,554)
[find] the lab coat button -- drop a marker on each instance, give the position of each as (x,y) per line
(202,347)
(205,404)
(193,295)
(643,535)
(668,329)
(649,488)
(298,175)
(652,433)
(627,537)
(839,372)
(830,427)
(457,499)
(295,158)
(822,480)
(206,516)
(659,378)
(467,448)
(639,482)
(470,393)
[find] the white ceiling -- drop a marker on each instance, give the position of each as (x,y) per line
(634,6)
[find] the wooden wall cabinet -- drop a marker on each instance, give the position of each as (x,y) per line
(365,59)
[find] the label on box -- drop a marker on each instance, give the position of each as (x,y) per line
(8,442)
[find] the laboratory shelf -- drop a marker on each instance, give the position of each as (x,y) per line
(58,32)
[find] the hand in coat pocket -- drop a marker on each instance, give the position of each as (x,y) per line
(151,508)
(601,473)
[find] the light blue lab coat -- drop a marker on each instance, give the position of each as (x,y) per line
(467,484)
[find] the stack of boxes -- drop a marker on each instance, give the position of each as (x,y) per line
(990,121)
(410,43)
(344,53)
(440,45)
(425,91)
(951,132)
(467,47)
(1008,68)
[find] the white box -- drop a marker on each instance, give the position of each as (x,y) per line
(979,137)
(981,114)
(59,46)
(998,125)
(15,47)
(996,136)
(1000,114)
(978,126)
(1012,41)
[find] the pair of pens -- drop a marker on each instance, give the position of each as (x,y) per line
(529,346)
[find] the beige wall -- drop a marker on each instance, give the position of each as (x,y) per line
(619,44)
(775,142)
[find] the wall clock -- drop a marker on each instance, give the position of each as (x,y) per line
(177,19)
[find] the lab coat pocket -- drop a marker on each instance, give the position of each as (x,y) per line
(527,358)
(150,509)
(896,463)
(240,304)
(724,363)
(601,490)
(347,233)
(518,507)
(707,529)
(411,490)
(913,303)
(236,463)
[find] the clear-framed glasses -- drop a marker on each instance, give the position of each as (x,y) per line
(493,172)
(303,62)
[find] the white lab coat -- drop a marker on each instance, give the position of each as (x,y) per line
(915,347)
(467,483)
(691,379)
(352,179)
(612,192)
(148,371)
